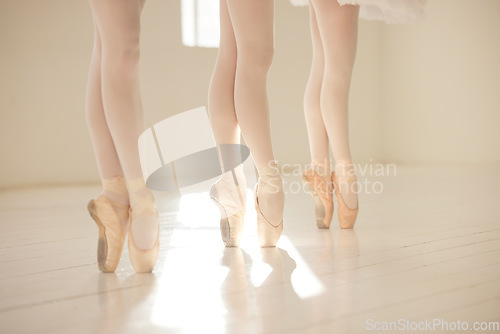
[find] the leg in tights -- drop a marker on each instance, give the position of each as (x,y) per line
(104,147)
(318,138)
(222,112)
(221,91)
(338,30)
(118,28)
(253,26)
(110,169)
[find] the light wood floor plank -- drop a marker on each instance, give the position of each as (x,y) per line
(427,247)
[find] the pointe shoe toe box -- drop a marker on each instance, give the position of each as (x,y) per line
(322,195)
(347,216)
(111,236)
(267,233)
(143,260)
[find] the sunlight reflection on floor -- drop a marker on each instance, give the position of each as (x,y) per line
(189,289)
(195,280)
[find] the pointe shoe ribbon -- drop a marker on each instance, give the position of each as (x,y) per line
(267,233)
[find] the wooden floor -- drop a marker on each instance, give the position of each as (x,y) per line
(426,248)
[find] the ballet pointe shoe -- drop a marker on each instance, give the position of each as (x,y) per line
(267,233)
(231,219)
(322,194)
(229,195)
(347,216)
(111,234)
(143,260)
(143,215)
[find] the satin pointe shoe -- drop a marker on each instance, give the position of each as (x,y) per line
(143,260)
(321,191)
(267,233)
(230,199)
(111,233)
(347,216)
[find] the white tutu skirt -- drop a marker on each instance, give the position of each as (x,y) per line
(389,11)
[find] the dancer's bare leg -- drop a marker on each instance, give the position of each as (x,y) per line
(338,27)
(318,138)
(253,25)
(118,22)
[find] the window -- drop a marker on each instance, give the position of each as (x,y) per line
(200,23)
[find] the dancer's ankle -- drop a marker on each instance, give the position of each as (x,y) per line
(321,166)
(140,194)
(270,169)
(145,218)
(270,178)
(345,168)
(270,193)
(346,181)
(235,176)
(115,189)
(230,190)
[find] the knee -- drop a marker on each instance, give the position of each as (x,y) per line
(226,59)
(337,76)
(339,64)
(258,58)
(122,57)
(128,56)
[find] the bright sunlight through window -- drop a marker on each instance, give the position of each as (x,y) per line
(200,23)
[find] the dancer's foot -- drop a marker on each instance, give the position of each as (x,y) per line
(269,204)
(346,191)
(111,234)
(110,212)
(143,240)
(115,189)
(229,194)
(347,183)
(320,186)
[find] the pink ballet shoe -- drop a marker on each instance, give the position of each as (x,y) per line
(232,215)
(111,233)
(143,260)
(267,233)
(322,194)
(347,216)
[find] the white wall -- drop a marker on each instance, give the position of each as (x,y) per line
(441,101)
(450,88)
